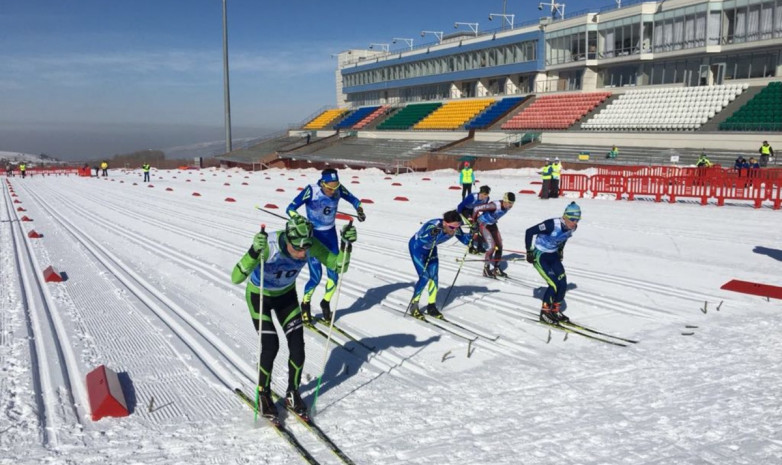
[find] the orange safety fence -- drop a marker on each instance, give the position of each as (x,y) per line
(574,183)
(656,186)
(608,184)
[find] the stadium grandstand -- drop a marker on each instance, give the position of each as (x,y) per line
(664,81)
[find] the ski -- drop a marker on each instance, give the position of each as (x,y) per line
(477,333)
(572,330)
(594,331)
(319,331)
(280,428)
(436,323)
(346,334)
(322,436)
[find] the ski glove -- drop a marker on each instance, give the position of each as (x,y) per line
(361,215)
(349,233)
(531,256)
(260,242)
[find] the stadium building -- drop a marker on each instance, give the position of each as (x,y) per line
(658,79)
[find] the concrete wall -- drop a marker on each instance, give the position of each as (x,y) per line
(721,141)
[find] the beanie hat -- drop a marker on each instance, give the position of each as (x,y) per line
(572,212)
(467,163)
(485,190)
(329,175)
(509,197)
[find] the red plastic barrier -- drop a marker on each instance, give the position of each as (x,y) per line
(230,199)
(270,205)
(688,186)
(396,183)
(776,195)
(105,392)
(746,287)
(573,183)
(196,194)
(401,199)
(647,185)
(367,201)
(33,234)
(608,184)
(455,188)
(741,189)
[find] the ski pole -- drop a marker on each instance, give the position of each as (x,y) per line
(271,213)
(333,316)
(260,313)
(445,302)
(489,260)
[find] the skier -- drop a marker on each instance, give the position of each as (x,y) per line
(423,251)
(547,254)
(465,209)
(485,218)
(321,200)
(283,254)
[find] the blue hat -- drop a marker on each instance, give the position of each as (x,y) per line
(329,175)
(572,212)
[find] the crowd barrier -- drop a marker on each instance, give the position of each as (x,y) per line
(45,171)
(673,183)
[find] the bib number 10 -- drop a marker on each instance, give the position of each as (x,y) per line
(288,274)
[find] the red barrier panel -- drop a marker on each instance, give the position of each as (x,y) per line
(647,185)
(741,189)
(688,186)
(573,183)
(776,195)
(608,184)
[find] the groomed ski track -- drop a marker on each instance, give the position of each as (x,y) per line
(133,254)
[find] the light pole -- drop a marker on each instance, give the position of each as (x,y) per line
(438,34)
(555,8)
(409,42)
(473,26)
(226,91)
(383,47)
(505,18)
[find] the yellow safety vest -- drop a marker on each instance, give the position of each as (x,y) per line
(765,150)
(145,168)
(546,172)
(555,170)
(22,167)
(466,176)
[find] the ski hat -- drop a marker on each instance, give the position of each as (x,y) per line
(329,175)
(509,197)
(572,212)
(467,163)
(298,232)
(485,190)
(556,159)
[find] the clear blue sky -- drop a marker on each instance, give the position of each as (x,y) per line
(160,61)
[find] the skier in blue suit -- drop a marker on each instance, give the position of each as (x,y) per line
(321,200)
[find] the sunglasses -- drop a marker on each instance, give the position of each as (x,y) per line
(331,188)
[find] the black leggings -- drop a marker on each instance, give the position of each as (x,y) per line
(286,309)
(466,190)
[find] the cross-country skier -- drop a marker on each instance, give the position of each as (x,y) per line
(486,217)
(465,208)
(547,254)
(321,200)
(423,251)
(283,254)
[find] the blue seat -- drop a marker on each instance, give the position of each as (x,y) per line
(494,112)
(355,117)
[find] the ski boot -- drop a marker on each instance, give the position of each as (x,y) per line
(487,272)
(306,316)
(561,318)
(267,407)
(325,308)
(432,311)
(295,403)
(499,272)
(415,312)
(547,314)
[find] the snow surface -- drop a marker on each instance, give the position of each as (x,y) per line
(148,293)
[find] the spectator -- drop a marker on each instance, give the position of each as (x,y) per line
(546,178)
(738,165)
(556,169)
(613,153)
(703,161)
(753,168)
(765,151)
(97,170)
(22,169)
(466,179)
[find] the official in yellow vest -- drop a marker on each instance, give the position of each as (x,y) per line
(22,169)
(765,152)
(556,169)
(546,178)
(466,179)
(104,165)
(145,167)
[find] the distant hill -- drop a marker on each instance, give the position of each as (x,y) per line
(209,149)
(17,157)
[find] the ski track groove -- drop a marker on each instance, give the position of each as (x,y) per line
(386,361)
